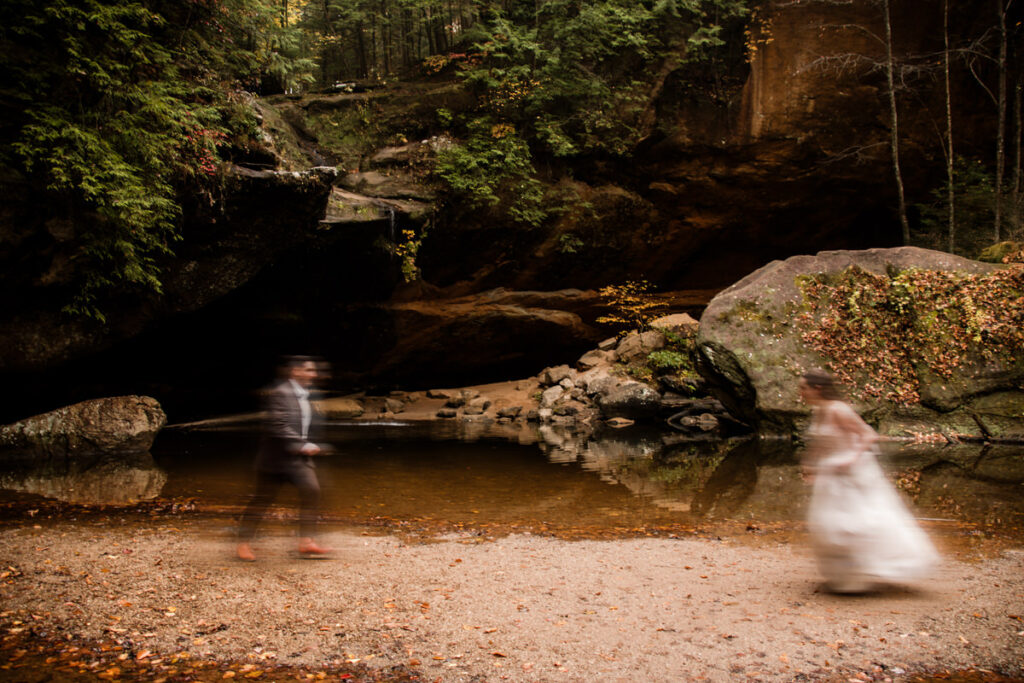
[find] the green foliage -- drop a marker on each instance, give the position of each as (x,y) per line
(876,329)
(974,203)
(112,108)
(569,244)
(675,359)
(350,133)
(444,117)
(667,360)
(493,170)
(568,79)
(577,75)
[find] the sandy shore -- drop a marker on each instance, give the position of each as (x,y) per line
(518,608)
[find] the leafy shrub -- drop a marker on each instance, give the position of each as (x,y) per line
(631,305)
(117,108)
(492,169)
(569,244)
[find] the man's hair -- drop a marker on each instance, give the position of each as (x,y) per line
(291,362)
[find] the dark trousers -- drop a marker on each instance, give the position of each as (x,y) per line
(299,474)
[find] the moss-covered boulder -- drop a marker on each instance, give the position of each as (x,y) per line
(923,341)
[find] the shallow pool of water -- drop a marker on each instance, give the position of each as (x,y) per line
(483,475)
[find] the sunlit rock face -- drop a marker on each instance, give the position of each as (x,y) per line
(752,352)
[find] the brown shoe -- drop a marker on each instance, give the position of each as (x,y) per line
(244,553)
(309,548)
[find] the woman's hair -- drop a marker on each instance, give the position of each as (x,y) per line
(824,384)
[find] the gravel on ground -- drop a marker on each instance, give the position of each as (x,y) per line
(463,607)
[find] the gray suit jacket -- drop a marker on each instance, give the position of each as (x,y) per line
(282,440)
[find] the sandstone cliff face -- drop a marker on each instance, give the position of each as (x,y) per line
(794,160)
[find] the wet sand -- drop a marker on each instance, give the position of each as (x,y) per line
(467,607)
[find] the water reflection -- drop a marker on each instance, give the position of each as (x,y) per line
(111,480)
(503,473)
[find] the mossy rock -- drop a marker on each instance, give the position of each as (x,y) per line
(752,352)
(1001,414)
(997,252)
(914,421)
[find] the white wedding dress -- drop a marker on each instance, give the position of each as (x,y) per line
(861,531)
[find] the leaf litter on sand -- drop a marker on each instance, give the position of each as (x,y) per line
(31,654)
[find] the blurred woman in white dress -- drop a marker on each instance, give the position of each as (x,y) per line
(862,533)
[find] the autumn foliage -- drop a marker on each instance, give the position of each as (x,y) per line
(631,305)
(879,332)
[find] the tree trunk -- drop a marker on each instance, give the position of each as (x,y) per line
(1001,125)
(1018,191)
(408,47)
(374,59)
(950,193)
(386,36)
(361,51)
(894,140)
(428,28)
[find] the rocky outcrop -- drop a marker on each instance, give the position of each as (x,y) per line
(474,336)
(263,215)
(751,351)
(118,426)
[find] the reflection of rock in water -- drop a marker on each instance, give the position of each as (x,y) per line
(946,489)
(731,483)
(777,493)
(106,481)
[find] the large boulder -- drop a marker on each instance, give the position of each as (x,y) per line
(752,349)
(120,425)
